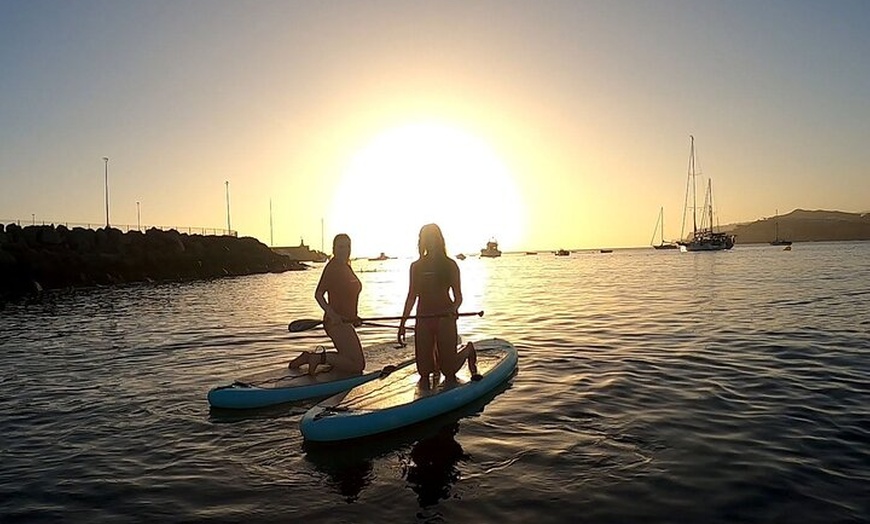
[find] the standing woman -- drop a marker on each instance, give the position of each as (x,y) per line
(434,276)
(337,294)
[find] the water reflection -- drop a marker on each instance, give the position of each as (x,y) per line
(347,472)
(430,463)
(348,468)
(429,451)
(433,469)
(285,410)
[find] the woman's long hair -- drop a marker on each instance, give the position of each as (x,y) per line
(431,241)
(340,236)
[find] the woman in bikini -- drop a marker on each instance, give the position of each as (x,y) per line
(337,294)
(433,277)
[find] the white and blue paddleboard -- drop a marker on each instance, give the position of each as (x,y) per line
(290,385)
(400,400)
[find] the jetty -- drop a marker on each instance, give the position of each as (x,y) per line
(36,258)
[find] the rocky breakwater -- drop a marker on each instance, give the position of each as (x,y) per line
(33,258)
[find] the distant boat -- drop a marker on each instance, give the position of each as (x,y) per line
(562,253)
(460,256)
(703,238)
(531,252)
(301,253)
(606,250)
(776,240)
(382,256)
(491,250)
(660,227)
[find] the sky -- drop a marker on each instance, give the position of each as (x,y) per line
(541,124)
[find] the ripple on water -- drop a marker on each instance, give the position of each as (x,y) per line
(725,387)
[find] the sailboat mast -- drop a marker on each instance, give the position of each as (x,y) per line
(776,226)
(710,197)
(694,192)
(656,230)
(662,220)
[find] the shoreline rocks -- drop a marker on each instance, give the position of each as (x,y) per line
(33,258)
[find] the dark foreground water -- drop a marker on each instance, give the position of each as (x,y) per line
(653,387)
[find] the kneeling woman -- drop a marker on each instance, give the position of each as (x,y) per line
(434,277)
(337,294)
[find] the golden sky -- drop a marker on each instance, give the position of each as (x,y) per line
(543,124)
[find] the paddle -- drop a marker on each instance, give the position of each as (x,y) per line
(309,323)
(388,326)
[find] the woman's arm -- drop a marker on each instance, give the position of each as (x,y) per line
(409,304)
(320,295)
(456,285)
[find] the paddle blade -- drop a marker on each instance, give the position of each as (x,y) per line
(303,325)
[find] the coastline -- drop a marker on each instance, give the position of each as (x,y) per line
(36,258)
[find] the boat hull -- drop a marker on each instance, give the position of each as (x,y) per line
(710,242)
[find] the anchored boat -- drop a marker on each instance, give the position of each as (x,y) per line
(660,227)
(491,250)
(704,237)
(776,240)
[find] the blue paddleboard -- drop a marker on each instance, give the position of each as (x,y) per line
(290,385)
(400,400)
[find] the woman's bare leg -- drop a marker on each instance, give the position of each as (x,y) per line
(300,359)
(467,352)
(424,350)
(448,359)
(348,355)
(470,354)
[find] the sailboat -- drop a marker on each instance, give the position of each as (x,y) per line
(662,244)
(703,238)
(776,240)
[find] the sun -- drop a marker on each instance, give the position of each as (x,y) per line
(419,173)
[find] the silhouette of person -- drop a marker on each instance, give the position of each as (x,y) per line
(337,293)
(349,471)
(433,471)
(434,277)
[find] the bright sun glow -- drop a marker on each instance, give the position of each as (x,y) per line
(420,173)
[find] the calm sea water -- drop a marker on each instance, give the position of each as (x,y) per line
(653,387)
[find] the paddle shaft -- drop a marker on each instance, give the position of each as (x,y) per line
(388,326)
(432,315)
(306,324)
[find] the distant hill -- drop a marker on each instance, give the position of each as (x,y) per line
(804,226)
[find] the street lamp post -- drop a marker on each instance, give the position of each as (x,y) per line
(229,227)
(106,161)
(138,218)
